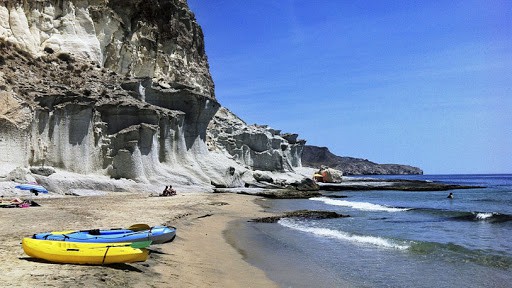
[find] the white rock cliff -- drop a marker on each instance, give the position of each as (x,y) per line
(122,90)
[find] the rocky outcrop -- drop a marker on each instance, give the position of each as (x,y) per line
(105,125)
(137,38)
(122,89)
(117,88)
(273,193)
(301,214)
(367,184)
(254,146)
(316,157)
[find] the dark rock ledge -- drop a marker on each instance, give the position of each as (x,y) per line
(350,184)
(307,214)
(271,193)
(286,194)
(391,184)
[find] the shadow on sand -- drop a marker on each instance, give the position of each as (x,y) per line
(116,266)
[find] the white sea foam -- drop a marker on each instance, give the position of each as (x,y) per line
(365,206)
(340,235)
(482,216)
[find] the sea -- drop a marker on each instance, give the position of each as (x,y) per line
(391,239)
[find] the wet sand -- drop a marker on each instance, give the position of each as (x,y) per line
(200,255)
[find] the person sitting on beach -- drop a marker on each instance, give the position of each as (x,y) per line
(165,191)
(450,196)
(168,191)
(171,191)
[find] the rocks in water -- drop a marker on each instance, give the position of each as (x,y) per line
(391,184)
(281,193)
(307,184)
(335,196)
(307,214)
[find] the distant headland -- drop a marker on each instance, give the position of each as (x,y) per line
(314,156)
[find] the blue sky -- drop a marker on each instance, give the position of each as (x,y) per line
(424,83)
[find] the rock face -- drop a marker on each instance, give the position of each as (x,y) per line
(138,38)
(314,156)
(118,88)
(256,147)
(122,88)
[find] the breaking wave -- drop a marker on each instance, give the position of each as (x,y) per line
(365,206)
(340,235)
(483,216)
(491,217)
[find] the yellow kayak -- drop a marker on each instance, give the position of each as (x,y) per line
(85,253)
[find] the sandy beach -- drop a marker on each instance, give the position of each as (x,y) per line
(200,255)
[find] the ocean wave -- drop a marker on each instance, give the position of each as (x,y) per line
(491,217)
(365,206)
(456,253)
(483,216)
(340,235)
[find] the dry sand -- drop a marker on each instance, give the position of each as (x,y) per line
(199,256)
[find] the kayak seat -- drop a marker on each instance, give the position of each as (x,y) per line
(94,232)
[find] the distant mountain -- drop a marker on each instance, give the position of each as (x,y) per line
(313,156)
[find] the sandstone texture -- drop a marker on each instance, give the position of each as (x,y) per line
(156,38)
(257,146)
(317,157)
(100,90)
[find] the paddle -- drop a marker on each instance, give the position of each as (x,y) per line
(141,244)
(145,244)
(139,227)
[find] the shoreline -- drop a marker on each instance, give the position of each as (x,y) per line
(265,245)
(199,256)
(388,238)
